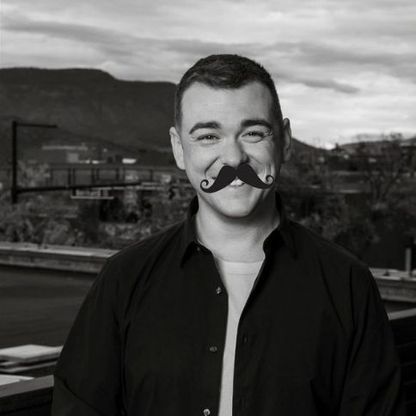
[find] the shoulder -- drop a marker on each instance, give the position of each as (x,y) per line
(345,279)
(310,244)
(342,273)
(141,251)
(129,268)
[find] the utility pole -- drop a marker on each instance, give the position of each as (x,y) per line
(15,124)
(14,162)
(71,186)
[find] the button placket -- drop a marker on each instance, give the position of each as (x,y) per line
(216,324)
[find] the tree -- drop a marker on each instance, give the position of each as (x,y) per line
(384,166)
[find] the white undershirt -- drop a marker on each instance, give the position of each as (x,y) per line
(238,279)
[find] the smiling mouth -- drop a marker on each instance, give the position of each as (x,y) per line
(236,183)
(236,178)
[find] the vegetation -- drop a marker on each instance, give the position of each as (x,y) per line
(311,188)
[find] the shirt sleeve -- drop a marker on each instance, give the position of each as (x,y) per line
(87,379)
(373,385)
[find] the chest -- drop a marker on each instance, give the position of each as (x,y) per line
(287,330)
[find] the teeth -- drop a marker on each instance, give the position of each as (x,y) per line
(236,182)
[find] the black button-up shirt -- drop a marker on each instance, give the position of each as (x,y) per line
(313,337)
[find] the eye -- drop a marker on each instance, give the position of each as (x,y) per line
(256,135)
(207,138)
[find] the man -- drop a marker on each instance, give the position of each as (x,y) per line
(236,310)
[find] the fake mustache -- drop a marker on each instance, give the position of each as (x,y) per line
(244,172)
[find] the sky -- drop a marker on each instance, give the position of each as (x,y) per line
(342,67)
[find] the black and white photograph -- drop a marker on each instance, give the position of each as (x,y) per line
(207,208)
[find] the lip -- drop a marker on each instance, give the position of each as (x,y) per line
(231,186)
(236,186)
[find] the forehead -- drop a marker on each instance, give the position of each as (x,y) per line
(202,102)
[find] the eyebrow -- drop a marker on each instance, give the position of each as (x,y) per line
(205,125)
(244,124)
(256,122)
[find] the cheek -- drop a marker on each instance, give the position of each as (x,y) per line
(266,155)
(198,159)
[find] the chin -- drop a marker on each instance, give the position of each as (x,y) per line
(237,210)
(239,205)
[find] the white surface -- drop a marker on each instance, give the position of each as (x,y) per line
(12,379)
(30,353)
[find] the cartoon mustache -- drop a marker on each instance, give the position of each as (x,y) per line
(244,172)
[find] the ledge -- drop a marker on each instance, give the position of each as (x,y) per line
(77,259)
(27,397)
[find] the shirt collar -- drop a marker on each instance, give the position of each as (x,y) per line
(282,231)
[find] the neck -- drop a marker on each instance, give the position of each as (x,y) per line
(237,239)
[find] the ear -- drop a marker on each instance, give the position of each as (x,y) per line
(177,149)
(286,138)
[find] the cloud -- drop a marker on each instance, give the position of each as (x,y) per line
(326,56)
(333,85)
(342,59)
(121,47)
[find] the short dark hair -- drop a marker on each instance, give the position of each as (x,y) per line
(225,71)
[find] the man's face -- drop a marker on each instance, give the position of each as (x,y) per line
(229,127)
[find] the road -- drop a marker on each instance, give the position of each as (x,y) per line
(38,306)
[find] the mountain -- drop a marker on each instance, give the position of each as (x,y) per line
(90,106)
(376,146)
(88,103)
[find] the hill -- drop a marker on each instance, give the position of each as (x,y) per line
(377,145)
(88,103)
(90,106)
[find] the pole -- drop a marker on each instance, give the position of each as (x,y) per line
(408,261)
(14,163)
(14,188)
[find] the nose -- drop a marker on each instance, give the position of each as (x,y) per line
(233,153)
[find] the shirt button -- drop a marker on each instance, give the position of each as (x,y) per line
(218,290)
(213,348)
(206,412)
(198,248)
(245,339)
